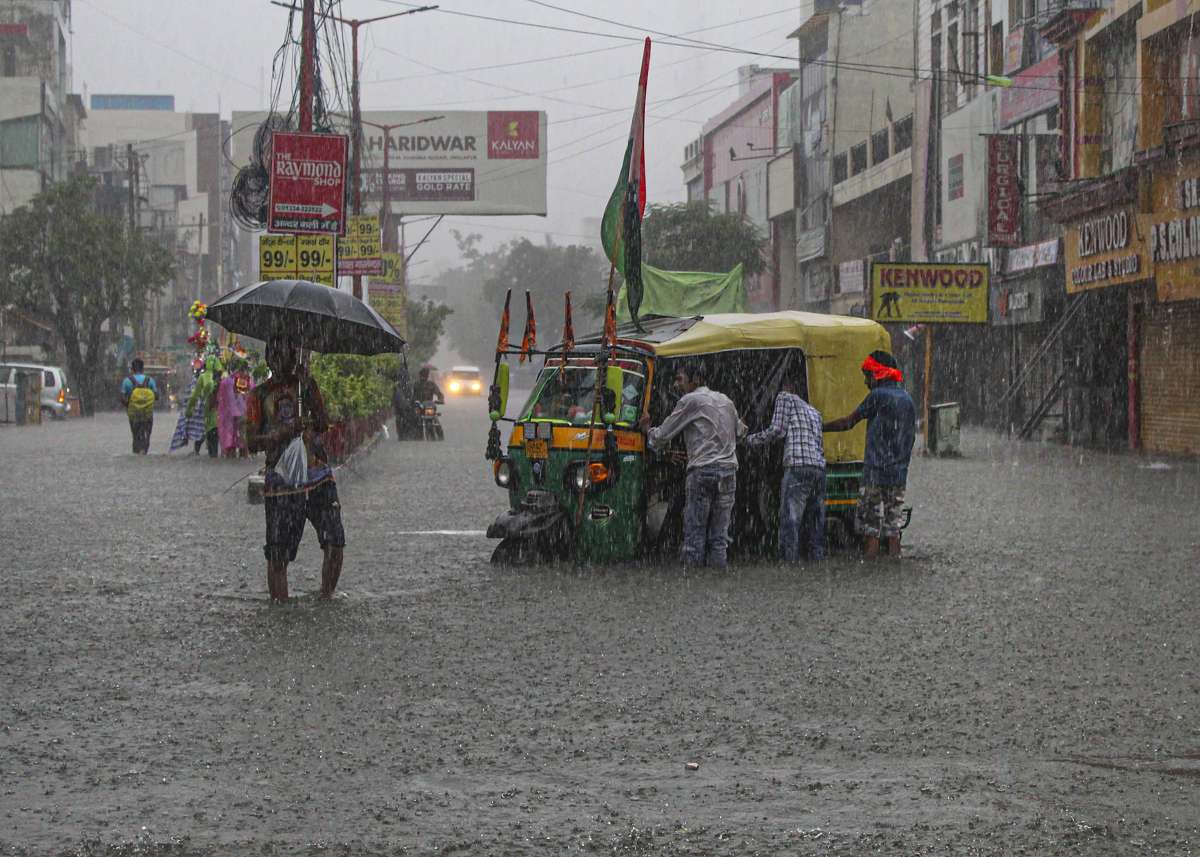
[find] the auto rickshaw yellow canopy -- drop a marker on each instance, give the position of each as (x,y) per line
(834,347)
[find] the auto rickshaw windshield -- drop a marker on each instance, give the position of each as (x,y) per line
(565,394)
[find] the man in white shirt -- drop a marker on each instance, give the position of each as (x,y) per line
(711,427)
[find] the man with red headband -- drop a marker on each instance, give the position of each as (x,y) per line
(891,430)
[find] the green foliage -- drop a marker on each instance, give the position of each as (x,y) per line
(546,270)
(688,236)
(426,324)
(355,386)
(62,260)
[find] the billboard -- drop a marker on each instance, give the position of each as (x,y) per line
(296,257)
(929,292)
(465,162)
(308,183)
(386,293)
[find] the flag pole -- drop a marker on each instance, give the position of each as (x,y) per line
(597,403)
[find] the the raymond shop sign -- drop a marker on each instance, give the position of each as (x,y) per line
(308,183)
(1106,249)
(1175,234)
(929,292)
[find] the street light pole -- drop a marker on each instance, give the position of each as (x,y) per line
(308,46)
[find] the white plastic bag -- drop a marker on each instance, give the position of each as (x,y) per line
(292,466)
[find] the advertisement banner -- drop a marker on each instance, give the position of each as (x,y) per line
(1033,91)
(386,293)
(1107,249)
(308,183)
(1004,197)
(1032,256)
(929,292)
(851,279)
(1175,232)
(463,162)
(296,257)
(359,252)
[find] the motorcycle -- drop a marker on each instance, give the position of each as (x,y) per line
(430,422)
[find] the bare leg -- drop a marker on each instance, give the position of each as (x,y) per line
(331,570)
(277,582)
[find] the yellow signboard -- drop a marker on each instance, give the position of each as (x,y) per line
(277,257)
(1174,231)
(1106,249)
(359,252)
(297,257)
(929,292)
(386,293)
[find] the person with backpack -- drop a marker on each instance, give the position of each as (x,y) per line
(138,394)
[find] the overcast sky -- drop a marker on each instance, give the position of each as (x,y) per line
(219,52)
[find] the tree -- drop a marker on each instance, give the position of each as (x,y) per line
(63,260)
(426,324)
(688,236)
(546,270)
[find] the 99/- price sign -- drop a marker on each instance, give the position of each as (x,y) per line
(360,252)
(297,257)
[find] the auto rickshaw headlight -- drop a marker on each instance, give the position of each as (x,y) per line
(597,472)
(502,472)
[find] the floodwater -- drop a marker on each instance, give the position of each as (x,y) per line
(1024,681)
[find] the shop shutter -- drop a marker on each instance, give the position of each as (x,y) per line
(1169,375)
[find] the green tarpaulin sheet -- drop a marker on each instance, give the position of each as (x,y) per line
(683,294)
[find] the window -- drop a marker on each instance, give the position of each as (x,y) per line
(858,158)
(954,178)
(839,168)
(902,133)
(10,61)
(879,146)
(48,379)
(997,44)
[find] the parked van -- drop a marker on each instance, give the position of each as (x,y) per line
(55,391)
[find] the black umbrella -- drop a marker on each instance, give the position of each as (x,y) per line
(311,315)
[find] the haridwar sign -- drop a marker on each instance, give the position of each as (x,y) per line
(1107,249)
(466,162)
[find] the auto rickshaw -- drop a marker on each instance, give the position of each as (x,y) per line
(592,491)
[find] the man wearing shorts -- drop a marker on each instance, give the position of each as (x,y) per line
(287,406)
(891,430)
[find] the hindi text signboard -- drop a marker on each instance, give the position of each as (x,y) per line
(359,252)
(386,293)
(308,183)
(296,257)
(929,292)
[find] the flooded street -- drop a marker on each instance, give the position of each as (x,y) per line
(1023,681)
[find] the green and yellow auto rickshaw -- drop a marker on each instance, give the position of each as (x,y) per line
(589,489)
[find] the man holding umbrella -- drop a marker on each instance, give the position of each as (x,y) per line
(288,315)
(288,406)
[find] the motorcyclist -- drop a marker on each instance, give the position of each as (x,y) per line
(427,390)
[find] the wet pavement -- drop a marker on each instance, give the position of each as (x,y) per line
(1025,681)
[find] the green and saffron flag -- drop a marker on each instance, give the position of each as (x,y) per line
(621,227)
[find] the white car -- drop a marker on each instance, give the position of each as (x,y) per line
(464,381)
(54,402)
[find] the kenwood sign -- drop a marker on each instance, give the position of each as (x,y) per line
(1106,250)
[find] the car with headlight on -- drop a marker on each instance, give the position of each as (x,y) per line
(464,381)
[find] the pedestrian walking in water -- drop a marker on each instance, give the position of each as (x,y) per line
(189,428)
(802,489)
(138,394)
(711,427)
(286,407)
(204,399)
(891,430)
(232,392)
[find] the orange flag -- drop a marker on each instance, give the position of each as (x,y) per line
(502,342)
(529,340)
(568,328)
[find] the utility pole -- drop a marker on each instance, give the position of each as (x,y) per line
(355,103)
(308,49)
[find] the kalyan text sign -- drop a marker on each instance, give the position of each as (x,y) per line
(929,292)
(308,183)
(1107,249)
(1004,198)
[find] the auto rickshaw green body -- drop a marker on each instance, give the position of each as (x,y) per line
(633,510)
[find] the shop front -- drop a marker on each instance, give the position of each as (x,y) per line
(1107,266)
(1168,322)
(1025,301)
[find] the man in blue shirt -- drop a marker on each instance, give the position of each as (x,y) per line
(138,394)
(802,491)
(891,430)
